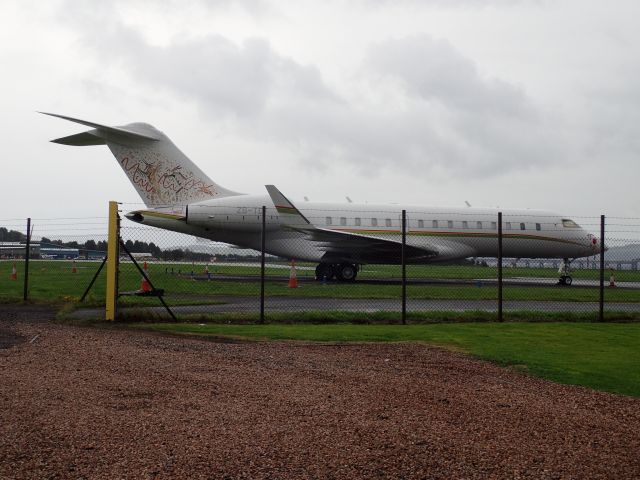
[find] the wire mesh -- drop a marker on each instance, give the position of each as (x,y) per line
(64,256)
(341,265)
(553,281)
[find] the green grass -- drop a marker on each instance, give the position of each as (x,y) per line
(53,281)
(600,356)
(317,317)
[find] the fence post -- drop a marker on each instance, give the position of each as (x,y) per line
(112,262)
(262,247)
(25,293)
(404,267)
(601,302)
(500,318)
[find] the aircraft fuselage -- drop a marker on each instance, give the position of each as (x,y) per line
(458,232)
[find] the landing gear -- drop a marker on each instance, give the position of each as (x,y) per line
(343,272)
(565,273)
(324,272)
(565,280)
(346,272)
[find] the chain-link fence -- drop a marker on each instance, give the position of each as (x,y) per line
(64,254)
(337,265)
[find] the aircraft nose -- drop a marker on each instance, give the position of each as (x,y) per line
(594,244)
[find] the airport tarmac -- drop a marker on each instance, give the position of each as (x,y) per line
(306,304)
(539,281)
(513,281)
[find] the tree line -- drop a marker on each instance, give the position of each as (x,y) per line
(11,235)
(136,246)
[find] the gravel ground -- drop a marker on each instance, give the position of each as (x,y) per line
(89,403)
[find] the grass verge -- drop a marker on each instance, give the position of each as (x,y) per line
(603,356)
(53,281)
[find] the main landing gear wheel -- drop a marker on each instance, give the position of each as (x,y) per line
(567,280)
(346,272)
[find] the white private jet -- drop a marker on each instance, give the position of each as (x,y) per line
(340,237)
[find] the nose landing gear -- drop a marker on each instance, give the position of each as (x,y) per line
(565,273)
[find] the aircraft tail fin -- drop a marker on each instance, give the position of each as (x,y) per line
(162,175)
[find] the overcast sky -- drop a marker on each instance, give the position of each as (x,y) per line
(531,104)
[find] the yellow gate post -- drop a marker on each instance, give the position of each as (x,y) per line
(113,253)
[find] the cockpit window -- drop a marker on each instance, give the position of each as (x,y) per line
(566,223)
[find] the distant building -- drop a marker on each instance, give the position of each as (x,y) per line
(18,249)
(142,255)
(59,253)
(137,255)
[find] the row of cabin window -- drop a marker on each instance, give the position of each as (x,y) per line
(434,223)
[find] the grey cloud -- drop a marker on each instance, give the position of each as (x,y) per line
(417,141)
(490,125)
(433,70)
(218,73)
(222,77)
(450,4)
(453,119)
(612,118)
(253,7)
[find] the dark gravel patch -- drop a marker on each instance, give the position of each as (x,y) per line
(89,403)
(12,314)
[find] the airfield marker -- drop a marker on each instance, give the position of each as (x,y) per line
(73,267)
(144,285)
(14,272)
(293,278)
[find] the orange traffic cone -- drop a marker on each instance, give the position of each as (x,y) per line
(293,278)
(14,272)
(145,286)
(73,267)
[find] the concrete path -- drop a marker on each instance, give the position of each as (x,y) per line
(307,304)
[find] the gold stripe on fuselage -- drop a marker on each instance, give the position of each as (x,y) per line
(458,234)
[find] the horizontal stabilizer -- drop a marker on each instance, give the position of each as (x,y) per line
(81,139)
(104,132)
